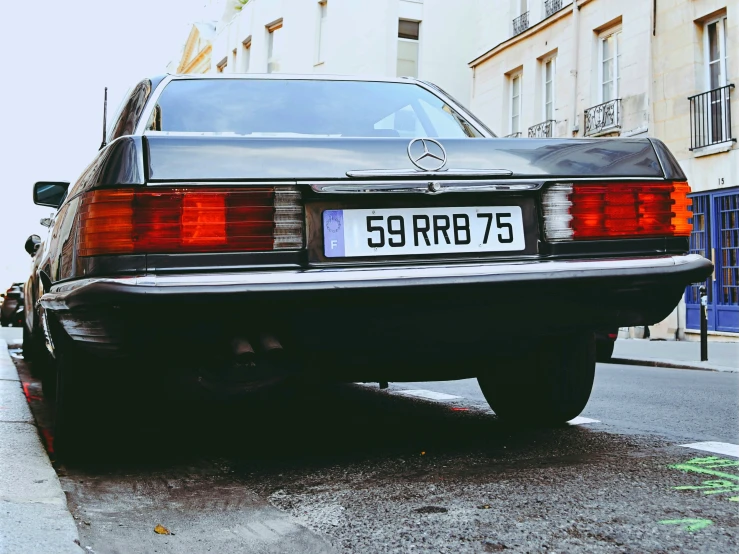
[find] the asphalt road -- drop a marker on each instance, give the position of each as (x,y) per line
(356,469)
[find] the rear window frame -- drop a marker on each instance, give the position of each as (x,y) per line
(472,121)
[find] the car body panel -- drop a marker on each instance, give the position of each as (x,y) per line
(213,158)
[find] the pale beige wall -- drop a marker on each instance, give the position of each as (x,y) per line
(678,60)
(491,91)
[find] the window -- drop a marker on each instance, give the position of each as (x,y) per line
(610,65)
(221,66)
(274,47)
(710,110)
(277,107)
(245,55)
(715,48)
(548,92)
(408,32)
(322,28)
(233,61)
(516,103)
(523,6)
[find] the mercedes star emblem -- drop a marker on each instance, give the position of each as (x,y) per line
(425,158)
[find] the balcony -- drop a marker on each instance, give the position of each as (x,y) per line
(514,135)
(551,7)
(542,130)
(710,117)
(603,118)
(520,24)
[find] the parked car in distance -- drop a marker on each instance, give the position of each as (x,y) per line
(11,310)
(341,229)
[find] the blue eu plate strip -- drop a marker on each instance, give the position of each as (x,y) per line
(333,233)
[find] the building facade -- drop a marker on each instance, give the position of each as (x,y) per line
(695,68)
(566,69)
(663,68)
(196,54)
(429,39)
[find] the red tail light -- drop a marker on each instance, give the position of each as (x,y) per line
(589,211)
(178,220)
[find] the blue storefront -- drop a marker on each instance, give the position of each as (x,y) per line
(716,236)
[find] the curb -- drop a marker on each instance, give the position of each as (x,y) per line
(34,517)
(674,364)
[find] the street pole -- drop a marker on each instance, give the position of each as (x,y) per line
(704,324)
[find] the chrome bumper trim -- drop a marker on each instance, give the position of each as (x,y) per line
(337,276)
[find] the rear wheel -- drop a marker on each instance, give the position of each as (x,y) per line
(72,408)
(547,385)
(27,344)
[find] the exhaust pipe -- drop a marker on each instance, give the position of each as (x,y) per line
(270,345)
(243,352)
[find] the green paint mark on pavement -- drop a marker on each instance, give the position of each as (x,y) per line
(688,524)
(728,482)
(699,469)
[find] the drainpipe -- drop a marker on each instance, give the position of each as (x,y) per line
(575,59)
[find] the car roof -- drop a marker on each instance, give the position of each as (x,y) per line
(291,76)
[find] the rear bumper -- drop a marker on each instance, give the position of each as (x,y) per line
(452,311)
(681,270)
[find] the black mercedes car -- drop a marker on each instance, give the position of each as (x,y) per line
(340,229)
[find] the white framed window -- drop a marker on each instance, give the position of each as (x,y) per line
(610,65)
(274,46)
(549,69)
(221,66)
(245,55)
(516,90)
(234,65)
(322,32)
(523,6)
(714,37)
(408,38)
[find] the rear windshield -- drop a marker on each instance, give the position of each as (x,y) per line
(306,108)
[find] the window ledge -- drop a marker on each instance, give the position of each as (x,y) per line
(319,64)
(606,131)
(713,149)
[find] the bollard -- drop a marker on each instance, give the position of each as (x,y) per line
(704,323)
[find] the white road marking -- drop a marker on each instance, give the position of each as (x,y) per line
(582,421)
(428,394)
(725,448)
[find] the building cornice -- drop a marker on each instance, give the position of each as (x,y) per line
(543,24)
(195,62)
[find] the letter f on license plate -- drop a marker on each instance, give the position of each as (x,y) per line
(404,231)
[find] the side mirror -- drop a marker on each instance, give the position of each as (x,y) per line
(32,244)
(50,193)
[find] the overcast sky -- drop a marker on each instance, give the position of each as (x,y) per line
(58,58)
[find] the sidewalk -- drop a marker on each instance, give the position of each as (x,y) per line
(33,508)
(722,356)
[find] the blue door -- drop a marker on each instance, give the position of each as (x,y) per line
(716,236)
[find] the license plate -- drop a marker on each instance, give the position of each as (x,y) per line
(403,231)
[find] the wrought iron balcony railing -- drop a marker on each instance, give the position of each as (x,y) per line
(514,135)
(603,117)
(542,130)
(552,7)
(520,24)
(710,117)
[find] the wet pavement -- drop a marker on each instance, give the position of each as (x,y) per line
(420,467)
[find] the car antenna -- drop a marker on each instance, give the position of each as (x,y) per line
(105,118)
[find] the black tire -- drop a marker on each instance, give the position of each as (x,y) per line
(27,346)
(73,414)
(604,351)
(543,386)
